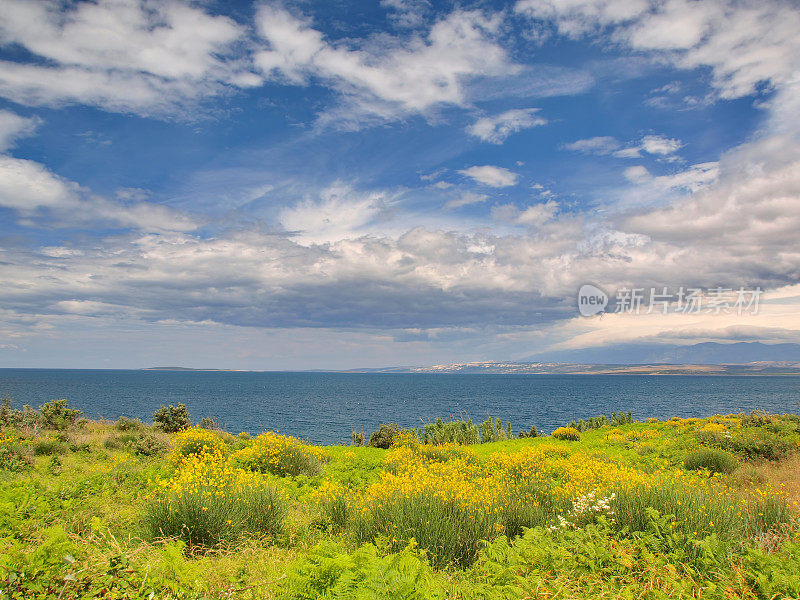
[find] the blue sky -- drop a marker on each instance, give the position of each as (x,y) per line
(345,184)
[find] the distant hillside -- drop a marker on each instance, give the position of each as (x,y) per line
(708,353)
(182,369)
(532,368)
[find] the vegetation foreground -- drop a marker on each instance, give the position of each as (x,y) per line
(605,508)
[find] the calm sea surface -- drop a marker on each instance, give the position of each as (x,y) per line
(326,407)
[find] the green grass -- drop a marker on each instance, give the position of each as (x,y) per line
(99,506)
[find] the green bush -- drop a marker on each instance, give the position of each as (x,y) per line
(711,459)
(532,433)
(172,419)
(492,431)
(760,443)
(56,414)
(617,418)
(80,447)
(450,432)
(210,423)
(27,419)
(114,442)
(756,418)
(125,424)
(146,444)
(384,437)
(48,446)
(14,456)
(753,442)
(139,443)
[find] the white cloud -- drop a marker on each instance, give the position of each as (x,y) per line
(38,195)
(743,43)
(27,186)
(596,145)
(631,152)
(637,174)
(13,127)
(497,128)
(407,13)
(775,322)
(662,146)
(491,176)
(650,190)
(604,145)
(578,17)
(466,199)
(339,213)
(534,215)
(391,77)
(124,55)
(538,214)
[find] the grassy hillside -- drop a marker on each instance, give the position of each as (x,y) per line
(687,508)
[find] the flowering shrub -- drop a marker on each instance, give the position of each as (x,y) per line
(713,427)
(208,502)
(447,500)
(645,434)
(280,455)
(13,455)
(197,441)
(567,433)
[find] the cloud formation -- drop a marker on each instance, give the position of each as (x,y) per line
(13,127)
(497,128)
(388,78)
(355,254)
(135,56)
(491,176)
(657,145)
(40,198)
(743,43)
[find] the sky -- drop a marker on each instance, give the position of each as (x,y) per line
(346,184)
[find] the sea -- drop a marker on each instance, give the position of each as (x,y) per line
(325,408)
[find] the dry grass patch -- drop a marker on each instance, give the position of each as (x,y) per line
(781,475)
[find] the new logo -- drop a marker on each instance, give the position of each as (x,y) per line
(591,300)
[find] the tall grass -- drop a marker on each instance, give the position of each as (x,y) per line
(711,459)
(208,514)
(449,531)
(697,511)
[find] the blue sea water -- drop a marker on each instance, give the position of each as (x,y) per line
(326,407)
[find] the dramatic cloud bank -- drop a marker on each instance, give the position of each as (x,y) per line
(458,236)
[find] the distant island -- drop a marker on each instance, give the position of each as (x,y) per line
(534,368)
(539,368)
(185,369)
